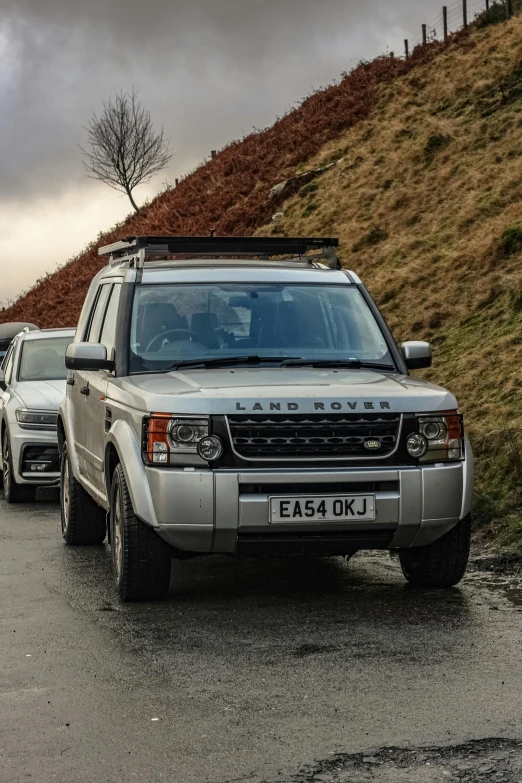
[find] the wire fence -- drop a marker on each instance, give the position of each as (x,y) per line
(457,16)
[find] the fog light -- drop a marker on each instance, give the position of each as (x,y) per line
(210,448)
(417,446)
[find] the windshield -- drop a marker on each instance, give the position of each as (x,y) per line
(172,324)
(44,359)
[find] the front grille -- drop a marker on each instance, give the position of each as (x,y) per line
(314,436)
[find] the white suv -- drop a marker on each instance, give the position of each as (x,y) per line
(32,386)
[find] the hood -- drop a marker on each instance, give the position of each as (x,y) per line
(41,395)
(284,389)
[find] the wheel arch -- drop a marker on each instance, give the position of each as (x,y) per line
(65,436)
(123,447)
(112,459)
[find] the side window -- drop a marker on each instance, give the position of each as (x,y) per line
(93,334)
(5,358)
(108,332)
(8,363)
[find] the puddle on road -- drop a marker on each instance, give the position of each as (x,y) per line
(507,587)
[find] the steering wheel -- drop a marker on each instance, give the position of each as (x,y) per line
(162,336)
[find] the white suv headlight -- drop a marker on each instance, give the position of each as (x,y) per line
(36,420)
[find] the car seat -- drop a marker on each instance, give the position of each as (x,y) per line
(205,325)
(158,317)
(293,327)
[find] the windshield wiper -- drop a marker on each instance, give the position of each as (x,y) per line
(283,361)
(230,361)
(352,364)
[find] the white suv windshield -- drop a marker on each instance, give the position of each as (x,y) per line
(183,323)
(44,359)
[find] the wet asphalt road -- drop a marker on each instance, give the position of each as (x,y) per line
(251,671)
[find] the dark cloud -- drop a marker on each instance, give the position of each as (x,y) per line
(209,70)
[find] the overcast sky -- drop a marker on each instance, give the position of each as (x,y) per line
(208,70)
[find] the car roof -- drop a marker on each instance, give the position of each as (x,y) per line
(10,330)
(42,334)
(207,270)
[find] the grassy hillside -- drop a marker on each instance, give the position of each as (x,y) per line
(427,200)
(426,197)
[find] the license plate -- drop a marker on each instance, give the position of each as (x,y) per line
(327,508)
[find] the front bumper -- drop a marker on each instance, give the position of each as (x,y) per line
(226,511)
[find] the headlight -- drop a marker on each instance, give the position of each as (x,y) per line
(166,436)
(186,433)
(36,420)
(444,436)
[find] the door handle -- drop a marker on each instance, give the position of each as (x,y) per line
(85,390)
(70,381)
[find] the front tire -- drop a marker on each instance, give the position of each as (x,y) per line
(13,492)
(141,560)
(83,521)
(441,564)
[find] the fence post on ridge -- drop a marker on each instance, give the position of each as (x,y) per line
(487,5)
(465,13)
(509,8)
(424,35)
(445,18)
(406,48)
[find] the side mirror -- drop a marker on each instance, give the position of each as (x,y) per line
(3,385)
(87,356)
(416,354)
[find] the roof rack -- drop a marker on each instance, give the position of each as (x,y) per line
(136,250)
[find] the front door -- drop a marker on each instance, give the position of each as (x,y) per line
(91,386)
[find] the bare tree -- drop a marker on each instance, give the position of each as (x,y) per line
(124,149)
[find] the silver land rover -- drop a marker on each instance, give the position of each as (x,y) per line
(219,401)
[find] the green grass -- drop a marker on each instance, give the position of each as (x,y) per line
(435,144)
(307,190)
(510,242)
(494,15)
(374,236)
(310,208)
